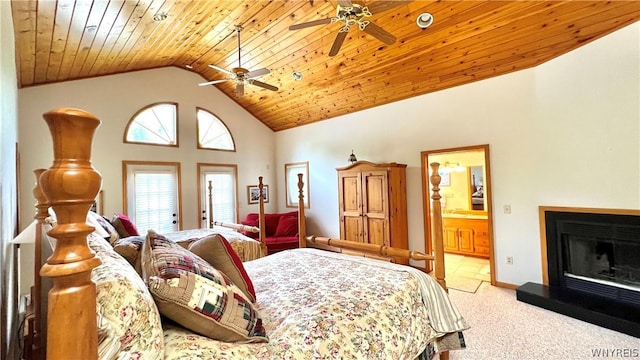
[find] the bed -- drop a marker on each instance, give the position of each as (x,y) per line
(322,302)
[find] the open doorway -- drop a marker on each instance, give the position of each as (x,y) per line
(466,208)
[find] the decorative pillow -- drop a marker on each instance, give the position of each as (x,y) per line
(113,233)
(128,319)
(129,248)
(91,220)
(217,251)
(287,226)
(124,226)
(192,293)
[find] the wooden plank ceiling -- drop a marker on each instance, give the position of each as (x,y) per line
(469,40)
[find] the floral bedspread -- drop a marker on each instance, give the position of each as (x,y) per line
(246,247)
(333,308)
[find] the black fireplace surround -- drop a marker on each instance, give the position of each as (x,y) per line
(593,269)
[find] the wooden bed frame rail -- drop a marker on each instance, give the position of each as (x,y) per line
(70,186)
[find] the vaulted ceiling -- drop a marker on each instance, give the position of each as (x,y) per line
(468,41)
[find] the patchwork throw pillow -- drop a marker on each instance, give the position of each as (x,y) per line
(197,296)
(124,226)
(217,251)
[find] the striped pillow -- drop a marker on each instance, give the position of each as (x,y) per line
(197,296)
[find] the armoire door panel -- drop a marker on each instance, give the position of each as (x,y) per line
(376,231)
(350,198)
(352,228)
(375,190)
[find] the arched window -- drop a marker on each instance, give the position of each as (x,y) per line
(212,132)
(155,124)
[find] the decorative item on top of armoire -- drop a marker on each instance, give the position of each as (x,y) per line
(352,157)
(373,203)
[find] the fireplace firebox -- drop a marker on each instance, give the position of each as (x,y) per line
(591,267)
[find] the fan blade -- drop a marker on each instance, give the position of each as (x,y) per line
(221,69)
(345,3)
(310,23)
(380,33)
(213,82)
(239,89)
(380,6)
(263,85)
(337,43)
(257,73)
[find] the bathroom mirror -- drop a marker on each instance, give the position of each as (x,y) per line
(476,188)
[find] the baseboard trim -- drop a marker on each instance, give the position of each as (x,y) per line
(505,285)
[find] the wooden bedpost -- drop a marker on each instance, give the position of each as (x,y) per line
(302,227)
(211,204)
(39,306)
(436,226)
(71,185)
(261,224)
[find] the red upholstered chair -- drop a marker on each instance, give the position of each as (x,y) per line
(281,230)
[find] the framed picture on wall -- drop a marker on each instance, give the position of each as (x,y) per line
(253,194)
(291,171)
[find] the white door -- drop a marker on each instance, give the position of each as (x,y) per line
(152,200)
(220,182)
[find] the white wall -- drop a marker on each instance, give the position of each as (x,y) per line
(8,192)
(564,133)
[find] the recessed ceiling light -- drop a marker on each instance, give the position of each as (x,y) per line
(424,20)
(160,16)
(297,75)
(92,27)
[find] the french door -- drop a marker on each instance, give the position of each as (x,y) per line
(217,182)
(152,196)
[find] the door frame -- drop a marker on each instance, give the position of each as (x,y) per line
(426,198)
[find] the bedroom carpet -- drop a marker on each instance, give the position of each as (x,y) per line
(504,328)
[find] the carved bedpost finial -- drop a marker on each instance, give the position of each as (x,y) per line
(436,220)
(71,185)
(302,231)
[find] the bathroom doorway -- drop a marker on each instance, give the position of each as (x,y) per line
(467,211)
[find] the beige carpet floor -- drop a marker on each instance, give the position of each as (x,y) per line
(504,328)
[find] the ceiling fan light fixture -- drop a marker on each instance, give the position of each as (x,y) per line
(424,20)
(297,75)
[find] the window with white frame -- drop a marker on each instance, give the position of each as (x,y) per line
(156,124)
(152,195)
(212,132)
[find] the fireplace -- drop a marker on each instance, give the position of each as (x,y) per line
(591,267)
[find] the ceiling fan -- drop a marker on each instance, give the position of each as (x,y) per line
(351,15)
(241,75)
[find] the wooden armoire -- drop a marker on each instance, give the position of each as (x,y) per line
(373,203)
